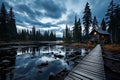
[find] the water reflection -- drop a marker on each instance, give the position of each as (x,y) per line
(7,63)
(36,63)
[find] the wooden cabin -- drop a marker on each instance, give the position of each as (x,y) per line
(99,36)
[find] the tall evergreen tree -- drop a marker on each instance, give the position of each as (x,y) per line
(8,29)
(12,24)
(46,36)
(3,25)
(110,12)
(75,30)
(87,20)
(79,31)
(117,23)
(39,36)
(52,36)
(33,33)
(109,19)
(67,35)
(95,23)
(103,25)
(112,19)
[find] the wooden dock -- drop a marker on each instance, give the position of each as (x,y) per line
(90,68)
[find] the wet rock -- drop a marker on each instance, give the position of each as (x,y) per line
(58,56)
(43,64)
(77,53)
(52,52)
(51,76)
(59,76)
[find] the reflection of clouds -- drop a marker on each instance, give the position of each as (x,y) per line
(83,52)
(44,59)
(63,63)
(29,66)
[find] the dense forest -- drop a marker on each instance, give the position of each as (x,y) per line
(110,23)
(8,30)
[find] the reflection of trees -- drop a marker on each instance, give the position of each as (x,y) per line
(7,63)
(51,47)
(30,50)
(33,51)
(24,50)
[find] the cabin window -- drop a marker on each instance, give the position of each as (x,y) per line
(95,33)
(103,37)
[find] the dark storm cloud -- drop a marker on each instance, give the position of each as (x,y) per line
(35,23)
(24,8)
(42,25)
(39,14)
(70,19)
(52,9)
(30,14)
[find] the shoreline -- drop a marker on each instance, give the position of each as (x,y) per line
(105,47)
(111,48)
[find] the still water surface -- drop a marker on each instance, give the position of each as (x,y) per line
(36,63)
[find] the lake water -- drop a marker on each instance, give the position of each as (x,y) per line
(36,63)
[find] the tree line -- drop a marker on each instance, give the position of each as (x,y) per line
(36,35)
(8,30)
(110,23)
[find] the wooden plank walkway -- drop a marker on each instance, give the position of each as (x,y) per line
(90,68)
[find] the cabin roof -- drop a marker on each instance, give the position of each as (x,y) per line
(100,31)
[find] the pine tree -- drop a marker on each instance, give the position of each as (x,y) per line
(103,25)
(110,21)
(46,36)
(39,36)
(79,31)
(33,33)
(113,19)
(87,20)
(95,23)
(12,24)
(67,35)
(51,36)
(3,25)
(117,23)
(75,29)
(8,29)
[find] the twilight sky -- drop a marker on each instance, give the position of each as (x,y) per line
(54,14)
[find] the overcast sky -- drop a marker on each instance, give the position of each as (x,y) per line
(54,14)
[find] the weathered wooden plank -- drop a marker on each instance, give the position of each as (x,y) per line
(90,68)
(90,72)
(81,77)
(75,77)
(68,78)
